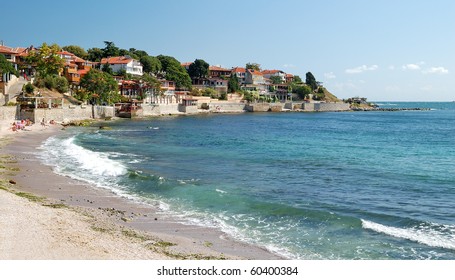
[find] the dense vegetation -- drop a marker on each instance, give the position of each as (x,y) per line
(98,87)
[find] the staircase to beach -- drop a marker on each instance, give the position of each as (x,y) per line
(15,89)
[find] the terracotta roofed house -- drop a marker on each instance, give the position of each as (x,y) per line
(127,63)
(289,78)
(277,73)
(217,72)
(240,72)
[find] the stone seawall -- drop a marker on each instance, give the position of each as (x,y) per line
(258,107)
(160,109)
(67,114)
(331,107)
(8,113)
(225,107)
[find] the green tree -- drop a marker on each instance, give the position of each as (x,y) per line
(198,69)
(297,80)
(102,86)
(95,54)
(253,66)
(311,81)
(107,69)
(110,49)
(150,64)
(138,53)
(46,60)
(150,81)
(233,83)
(303,91)
(61,84)
(276,80)
(77,51)
(175,72)
(6,67)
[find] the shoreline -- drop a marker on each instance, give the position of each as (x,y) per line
(154,231)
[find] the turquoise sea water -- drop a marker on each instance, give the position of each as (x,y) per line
(352,185)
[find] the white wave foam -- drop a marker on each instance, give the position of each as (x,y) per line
(96,163)
(424,234)
(220,191)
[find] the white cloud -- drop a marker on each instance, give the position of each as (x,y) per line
(361,69)
(392,67)
(329,75)
(436,70)
(289,66)
(411,66)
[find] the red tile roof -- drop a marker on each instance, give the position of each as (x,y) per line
(265,72)
(65,53)
(239,70)
(289,75)
(7,50)
(82,71)
(186,64)
(78,59)
(216,68)
(255,72)
(116,60)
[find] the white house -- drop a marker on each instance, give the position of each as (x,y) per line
(277,73)
(118,63)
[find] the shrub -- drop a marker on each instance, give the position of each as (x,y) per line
(61,84)
(211,92)
(28,88)
(195,92)
(50,82)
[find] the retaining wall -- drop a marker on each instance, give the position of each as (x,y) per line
(331,107)
(67,114)
(258,107)
(8,113)
(224,107)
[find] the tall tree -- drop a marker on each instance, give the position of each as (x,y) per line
(198,69)
(46,60)
(95,54)
(150,64)
(233,83)
(253,66)
(110,49)
(174,71)
(139,53)
(311,81)
(77,51)
(102,86)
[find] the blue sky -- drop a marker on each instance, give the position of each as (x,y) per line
(383,50)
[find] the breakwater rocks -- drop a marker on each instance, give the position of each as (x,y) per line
(390,109)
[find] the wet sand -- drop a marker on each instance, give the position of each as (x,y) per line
(143,225)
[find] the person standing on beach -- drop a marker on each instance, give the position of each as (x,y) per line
(43,123)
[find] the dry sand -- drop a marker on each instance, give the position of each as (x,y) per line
(47,216)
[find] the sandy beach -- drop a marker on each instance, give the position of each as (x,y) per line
(48,216)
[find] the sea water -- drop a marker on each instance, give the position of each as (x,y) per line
(345,185)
